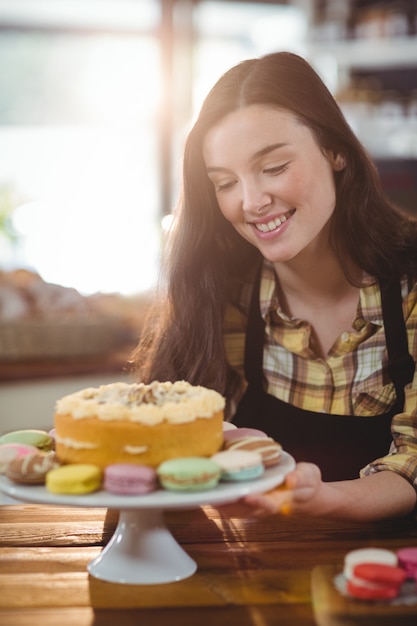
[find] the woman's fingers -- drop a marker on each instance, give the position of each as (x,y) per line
(277,500)
(296,492)
(299,487)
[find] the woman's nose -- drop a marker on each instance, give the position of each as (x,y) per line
(254,198)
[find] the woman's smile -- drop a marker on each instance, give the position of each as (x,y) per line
(272,224)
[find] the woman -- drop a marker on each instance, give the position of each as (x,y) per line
(284,240)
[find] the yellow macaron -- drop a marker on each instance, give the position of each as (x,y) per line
(77,478)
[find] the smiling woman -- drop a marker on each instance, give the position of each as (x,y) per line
(285,247)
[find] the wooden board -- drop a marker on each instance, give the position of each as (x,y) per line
(331,608)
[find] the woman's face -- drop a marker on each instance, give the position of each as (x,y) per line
(272,180)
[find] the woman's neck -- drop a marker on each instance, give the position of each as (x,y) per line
(316,276)
(320,294)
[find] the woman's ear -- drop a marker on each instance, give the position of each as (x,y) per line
(339,162)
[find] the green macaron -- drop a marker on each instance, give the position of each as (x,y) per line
(189,474)
(38,438)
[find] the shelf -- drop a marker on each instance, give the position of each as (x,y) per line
(368,53)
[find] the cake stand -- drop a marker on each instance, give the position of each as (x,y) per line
(142,550)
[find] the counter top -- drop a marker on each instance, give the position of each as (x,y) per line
(256,572)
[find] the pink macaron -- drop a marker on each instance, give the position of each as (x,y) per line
(407,559)
(129,479)
(240,433)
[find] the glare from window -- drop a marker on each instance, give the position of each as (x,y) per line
(78,144)
(92,223)
(111,88)
(117,14)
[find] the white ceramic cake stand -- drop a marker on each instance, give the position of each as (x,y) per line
(142,550)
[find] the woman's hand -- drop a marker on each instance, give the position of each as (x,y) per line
(381,495)
(296,495)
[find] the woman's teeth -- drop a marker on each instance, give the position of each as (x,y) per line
(272,225)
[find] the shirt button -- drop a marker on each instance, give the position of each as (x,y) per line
(359,324)
(345,337)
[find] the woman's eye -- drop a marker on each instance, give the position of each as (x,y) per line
(277,169)
(224,186)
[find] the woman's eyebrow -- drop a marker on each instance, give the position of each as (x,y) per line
(267,150)
(260,153)
(216,169)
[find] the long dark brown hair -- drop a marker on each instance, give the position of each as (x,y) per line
(205,258)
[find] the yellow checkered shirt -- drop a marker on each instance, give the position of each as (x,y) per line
(352,380)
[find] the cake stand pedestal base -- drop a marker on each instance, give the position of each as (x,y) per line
(142,551)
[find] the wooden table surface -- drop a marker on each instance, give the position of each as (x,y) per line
(251,572)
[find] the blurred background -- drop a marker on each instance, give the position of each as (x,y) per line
(96,97)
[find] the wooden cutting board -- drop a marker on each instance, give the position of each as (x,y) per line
(331,608)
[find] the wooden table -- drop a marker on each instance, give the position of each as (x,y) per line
(251,572)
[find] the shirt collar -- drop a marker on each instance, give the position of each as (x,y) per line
(369,306)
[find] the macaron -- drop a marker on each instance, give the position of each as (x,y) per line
(368,555)
(189,474)
(38,438)
(269,449)
(31,469)
(52,434)
(407,559)
(380,574)
(239,465)
(240,433)
(129,479)
(368,592)
(74,479)
(373,574)
(229,426)
(10,451)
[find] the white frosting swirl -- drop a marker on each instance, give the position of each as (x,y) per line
(176,403)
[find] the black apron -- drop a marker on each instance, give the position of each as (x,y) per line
(339,444)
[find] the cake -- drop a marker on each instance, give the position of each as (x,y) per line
(138,423)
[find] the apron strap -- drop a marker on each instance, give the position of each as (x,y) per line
(255,338)
(401,364)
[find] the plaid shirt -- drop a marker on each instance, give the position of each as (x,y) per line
(352,380)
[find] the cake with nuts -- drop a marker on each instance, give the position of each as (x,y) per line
(138,423)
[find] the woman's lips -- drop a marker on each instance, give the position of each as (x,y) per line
(273,224)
